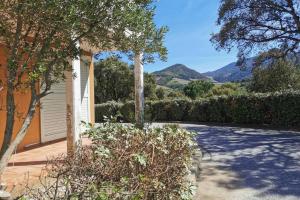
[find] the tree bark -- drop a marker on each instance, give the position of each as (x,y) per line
(20,135)
(139,90)
(10,115)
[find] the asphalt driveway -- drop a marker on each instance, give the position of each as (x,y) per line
(248,164)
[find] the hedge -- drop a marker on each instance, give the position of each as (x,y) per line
(277,109)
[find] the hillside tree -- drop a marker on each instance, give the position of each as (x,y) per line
(199,88)
(279,75)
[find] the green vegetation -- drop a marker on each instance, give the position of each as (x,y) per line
(203,101)
(177,76)
(175,94)
(181,72)
(114,81)
(123,162)
(42,37)
(243,109)
(149,86)
(280,75)
(227,89)
(197,89)
(186,95)
(160,93)
(205,89)
(252,26)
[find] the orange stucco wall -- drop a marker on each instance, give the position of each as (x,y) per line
(22,99)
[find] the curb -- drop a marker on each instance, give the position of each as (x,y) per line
(195,170)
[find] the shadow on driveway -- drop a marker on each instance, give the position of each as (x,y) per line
(264,160)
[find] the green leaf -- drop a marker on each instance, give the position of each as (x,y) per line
(141,159)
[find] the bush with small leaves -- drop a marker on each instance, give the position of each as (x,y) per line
(123,162)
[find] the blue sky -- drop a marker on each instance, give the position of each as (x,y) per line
(191,23)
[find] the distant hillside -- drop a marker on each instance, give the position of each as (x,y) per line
(232,73)
(180,71)
(178,75)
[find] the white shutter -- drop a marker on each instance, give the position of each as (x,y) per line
(53,114)
(84,92)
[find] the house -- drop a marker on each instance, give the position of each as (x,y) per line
(75,95)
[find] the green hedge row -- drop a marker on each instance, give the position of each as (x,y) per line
(279,109)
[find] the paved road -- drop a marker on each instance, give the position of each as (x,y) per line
(248,164)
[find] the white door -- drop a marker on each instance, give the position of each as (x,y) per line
(53,114)
(84,70)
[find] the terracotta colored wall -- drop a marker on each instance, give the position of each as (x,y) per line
(22,99)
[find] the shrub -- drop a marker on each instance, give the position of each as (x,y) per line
(277,109)
(227,89)
(108,109)
(160,93)
(168,110)
(197,88)
(127,111)
(278,75)
(124,162)
(173,94)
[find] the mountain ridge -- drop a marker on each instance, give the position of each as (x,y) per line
(228,73)
(180,71)
(177,76)
(232,72)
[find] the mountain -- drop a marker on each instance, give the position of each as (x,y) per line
(180,71)
(232,72)
(178,75)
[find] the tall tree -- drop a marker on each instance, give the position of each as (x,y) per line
(271,26)
(279,75)
(114,81)
(198,88)
(150,86)
(41,38)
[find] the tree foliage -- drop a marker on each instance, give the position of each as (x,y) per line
(277,76)
(149,86)
(227,89)
(198,88)
(114,81)
(271,26)
(41,37)
(160,93)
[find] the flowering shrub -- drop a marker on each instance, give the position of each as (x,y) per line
(124,162)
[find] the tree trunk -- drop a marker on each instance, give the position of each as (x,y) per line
(20,136)
(10,115)
(139,90)
(73,104)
